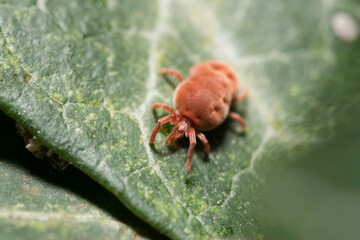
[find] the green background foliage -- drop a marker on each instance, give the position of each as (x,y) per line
(82,76)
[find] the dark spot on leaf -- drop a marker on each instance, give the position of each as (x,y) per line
(27,78)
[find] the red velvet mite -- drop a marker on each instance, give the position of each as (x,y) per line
(203,102)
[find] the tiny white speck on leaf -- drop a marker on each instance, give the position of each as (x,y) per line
(344,27)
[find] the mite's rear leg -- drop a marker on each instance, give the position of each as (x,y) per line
(192,138)
(161,122)
(241,96)
(238,118)
(205,142)
(172,72)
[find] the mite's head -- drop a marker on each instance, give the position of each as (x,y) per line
(179,130)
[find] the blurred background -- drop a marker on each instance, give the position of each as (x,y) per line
(318,195)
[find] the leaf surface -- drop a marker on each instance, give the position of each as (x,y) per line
(39,205)
(82,76)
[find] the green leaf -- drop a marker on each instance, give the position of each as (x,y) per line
(36,205)
(82,77)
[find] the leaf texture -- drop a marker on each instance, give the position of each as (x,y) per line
(82,76)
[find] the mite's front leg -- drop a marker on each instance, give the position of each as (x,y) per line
(163,106)
(160,122)
(192,138)
(205,142)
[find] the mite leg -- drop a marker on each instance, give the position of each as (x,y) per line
(174,135)
(238,118)
(165,107)
(172,72)
(192,137)
(241,96)
(161,122)
(205,142)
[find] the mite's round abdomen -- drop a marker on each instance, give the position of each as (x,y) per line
(214,67)
(205,99)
